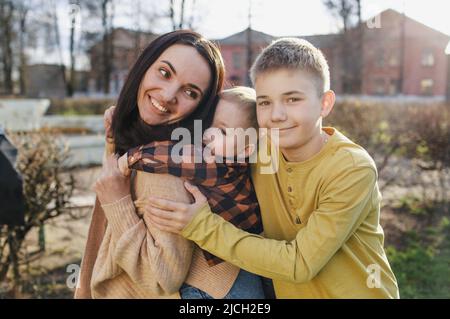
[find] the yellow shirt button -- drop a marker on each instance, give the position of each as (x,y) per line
(297,220)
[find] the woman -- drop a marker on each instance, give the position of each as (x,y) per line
(125,256)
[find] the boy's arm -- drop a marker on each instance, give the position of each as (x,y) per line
(156,157)
(343,208)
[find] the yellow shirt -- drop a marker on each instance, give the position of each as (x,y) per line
(321,219)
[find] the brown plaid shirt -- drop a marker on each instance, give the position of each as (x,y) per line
(227,186)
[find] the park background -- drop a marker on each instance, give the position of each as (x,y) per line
(63,62)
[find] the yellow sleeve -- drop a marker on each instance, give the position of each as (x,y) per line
(344,204)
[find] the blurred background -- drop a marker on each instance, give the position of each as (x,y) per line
(63,62)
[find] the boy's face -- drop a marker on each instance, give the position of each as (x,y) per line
(288,100)
(218,140)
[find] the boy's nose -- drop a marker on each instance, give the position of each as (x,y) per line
(278,113)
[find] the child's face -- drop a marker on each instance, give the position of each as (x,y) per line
(218,140)
(288,100)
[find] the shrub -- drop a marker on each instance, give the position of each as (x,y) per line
(46,193)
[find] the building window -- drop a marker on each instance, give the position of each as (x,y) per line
(427,58)
(426,86)
(379,59)
(379,86)
(393,60)
(393,88)
(237,60)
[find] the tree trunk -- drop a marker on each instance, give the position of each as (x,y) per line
(181,25)
(6,13)
(172,15)
(107,35)
(71,82)
(23,17)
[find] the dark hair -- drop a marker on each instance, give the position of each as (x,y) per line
(129,130)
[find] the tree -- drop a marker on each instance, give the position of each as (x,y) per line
(349,14)
(178,14)
(7,37)
(22,10)
(100,28)
(74,10)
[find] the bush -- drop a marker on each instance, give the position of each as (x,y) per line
(46,192)
(416,131)
(79,106)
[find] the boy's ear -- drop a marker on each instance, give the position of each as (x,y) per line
(328,99)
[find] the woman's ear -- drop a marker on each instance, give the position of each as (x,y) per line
(328,100)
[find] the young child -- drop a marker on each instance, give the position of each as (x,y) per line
(225,181)
(321,208)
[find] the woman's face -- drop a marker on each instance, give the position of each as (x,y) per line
(173,85)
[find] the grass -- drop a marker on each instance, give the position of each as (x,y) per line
(422,263)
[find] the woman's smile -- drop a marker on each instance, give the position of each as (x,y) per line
(156,105)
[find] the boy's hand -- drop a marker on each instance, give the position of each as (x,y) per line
(173,216)
(123,165)
(107,121)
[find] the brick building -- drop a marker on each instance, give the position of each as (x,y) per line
(402,56)
(127,45)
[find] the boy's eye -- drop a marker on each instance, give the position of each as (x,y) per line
(191,93)
(293,99)
(263,103)
(164,73)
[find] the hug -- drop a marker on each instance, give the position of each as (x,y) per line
(223,227)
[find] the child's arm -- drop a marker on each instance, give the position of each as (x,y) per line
(156,157)
(336,218)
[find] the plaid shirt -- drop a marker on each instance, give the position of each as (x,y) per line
(227,186)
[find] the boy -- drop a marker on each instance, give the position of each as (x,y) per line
(321,208)
(221,176)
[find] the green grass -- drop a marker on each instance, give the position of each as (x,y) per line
(423,270)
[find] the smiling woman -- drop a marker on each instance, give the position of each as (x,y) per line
(175,81)
(167,91)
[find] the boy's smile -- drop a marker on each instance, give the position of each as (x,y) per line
(288,100)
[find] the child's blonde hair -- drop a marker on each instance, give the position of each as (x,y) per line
(293,53)
(245,97)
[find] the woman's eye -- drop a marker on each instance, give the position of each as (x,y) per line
(192,94)
(164,73)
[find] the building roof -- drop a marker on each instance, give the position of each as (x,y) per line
(393,14)
(319,40)
(240,38)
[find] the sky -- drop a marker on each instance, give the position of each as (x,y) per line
(217,19)
(306,17)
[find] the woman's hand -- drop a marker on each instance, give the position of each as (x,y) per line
(107,121)
(111,185)
(173,216)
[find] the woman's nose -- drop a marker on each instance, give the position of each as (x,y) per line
(169,94)
(278,113)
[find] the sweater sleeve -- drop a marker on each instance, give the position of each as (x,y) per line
(156,261)
(341,210)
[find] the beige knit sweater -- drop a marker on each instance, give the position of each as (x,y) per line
(127,257)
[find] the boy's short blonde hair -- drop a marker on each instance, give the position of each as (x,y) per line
(245,97)
(293,53)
